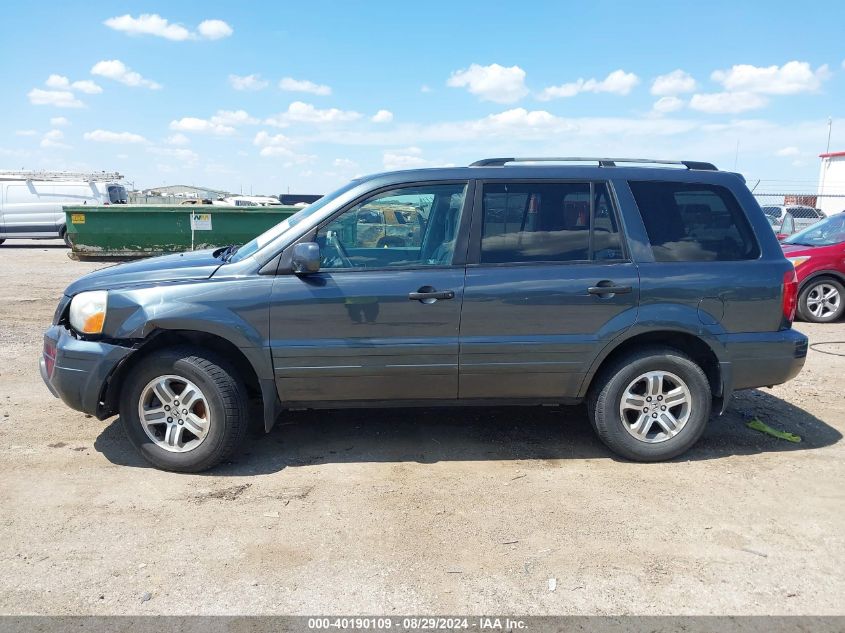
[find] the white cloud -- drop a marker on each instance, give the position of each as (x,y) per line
(57,81)
(187,157)
(502,129)
(63,83)
(154,24)
(248,82)
(273,145)
(788,151)
(307,113)
(202,126)
(233,117)
(118,71)
(618,82)
(59,121)
(427,88)
(106,136)
(214,29)
(52,139)
(344,163)
(223,123)
(495,83)
(727,102)
(791,78)
(407,158)
(177,139)
(87,86)
(382,116)
(303,85)
(25,133)
(148,24)
(56,98)
(664,105)
(673,83)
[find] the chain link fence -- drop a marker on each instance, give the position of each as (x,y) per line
(827,203)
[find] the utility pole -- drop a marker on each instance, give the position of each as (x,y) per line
(829,129)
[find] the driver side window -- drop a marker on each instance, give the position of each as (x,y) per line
(402,228)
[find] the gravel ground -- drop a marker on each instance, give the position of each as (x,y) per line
(426,511)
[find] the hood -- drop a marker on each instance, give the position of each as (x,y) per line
(152,271)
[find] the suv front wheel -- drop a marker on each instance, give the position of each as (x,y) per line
(650,405)
(184,410)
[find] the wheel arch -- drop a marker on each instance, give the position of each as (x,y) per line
(698,349)
(158,339)
(835,274)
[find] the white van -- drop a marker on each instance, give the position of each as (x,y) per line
(31,202)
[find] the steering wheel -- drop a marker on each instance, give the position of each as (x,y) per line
(333,241)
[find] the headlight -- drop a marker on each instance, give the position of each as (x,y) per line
(88,311)
(797,261)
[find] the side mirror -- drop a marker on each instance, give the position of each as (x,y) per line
(306,258)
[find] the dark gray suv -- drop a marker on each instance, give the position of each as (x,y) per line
(649,289)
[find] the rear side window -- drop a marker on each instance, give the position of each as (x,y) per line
(689,222)
(548,222)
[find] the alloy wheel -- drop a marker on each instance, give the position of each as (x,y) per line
(174,413)
(823,300)
(655,406)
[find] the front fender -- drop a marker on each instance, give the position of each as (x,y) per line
(236,310)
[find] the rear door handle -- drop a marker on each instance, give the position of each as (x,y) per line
(427,295)
(609,290)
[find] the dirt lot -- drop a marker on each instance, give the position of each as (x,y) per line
(414,511)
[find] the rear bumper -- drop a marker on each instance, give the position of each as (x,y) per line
(762,359)
(80,370)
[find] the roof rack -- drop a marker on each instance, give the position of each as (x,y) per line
(603,162)
(96,176)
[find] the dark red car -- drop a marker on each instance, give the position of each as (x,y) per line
(818,254)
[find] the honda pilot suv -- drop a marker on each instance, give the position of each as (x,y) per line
(650,290)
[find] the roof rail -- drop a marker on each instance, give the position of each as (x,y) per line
(603,162)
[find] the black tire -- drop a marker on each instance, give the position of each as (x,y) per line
(835,312)
(64,236)
(227,407)
(603,403)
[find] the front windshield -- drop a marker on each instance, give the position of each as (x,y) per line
(825,233)
(256,244)
(772,211)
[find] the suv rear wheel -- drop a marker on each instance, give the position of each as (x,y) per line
(822,301)
(184,410)
(650,405)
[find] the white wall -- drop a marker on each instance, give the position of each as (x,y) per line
(832,182)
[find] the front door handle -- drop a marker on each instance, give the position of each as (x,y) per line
(427,294)
(606,289)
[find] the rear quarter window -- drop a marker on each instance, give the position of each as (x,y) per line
(690,222)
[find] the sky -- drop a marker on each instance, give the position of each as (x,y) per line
(274,97)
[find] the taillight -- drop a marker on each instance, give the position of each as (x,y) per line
(790,294)
(49,357)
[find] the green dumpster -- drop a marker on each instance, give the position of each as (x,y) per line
(146,230)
